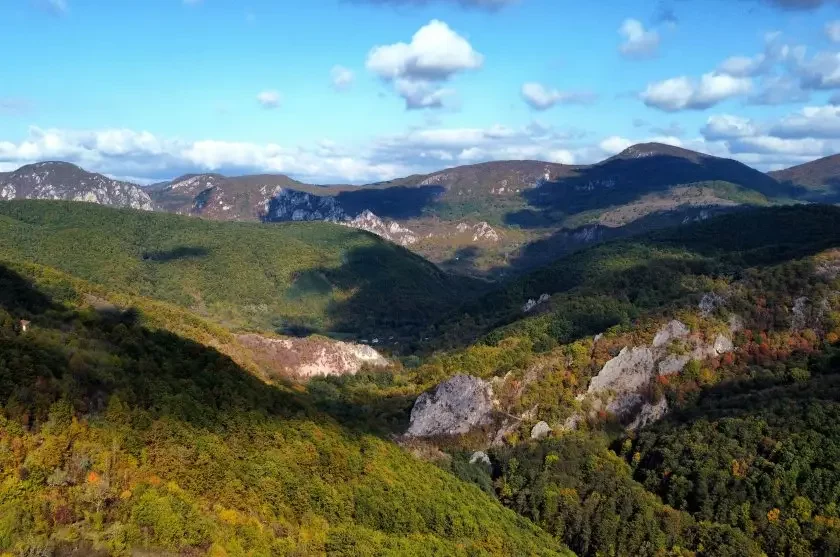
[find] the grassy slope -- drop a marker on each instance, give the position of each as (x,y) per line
(115,438)
(314,275)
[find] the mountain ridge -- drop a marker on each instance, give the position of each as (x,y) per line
(493,218)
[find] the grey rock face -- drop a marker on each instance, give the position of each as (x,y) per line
(673,330)
(540,431)
(454,407)
(649,413)
(480,457)
(630,370)
(625,376)
(673,364)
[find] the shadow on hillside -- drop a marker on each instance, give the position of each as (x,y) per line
(564,242)
(464,260)
(167,376)
(395,294)
(176,254)
(620,181)
(394,203)
(654,279)
(830,193)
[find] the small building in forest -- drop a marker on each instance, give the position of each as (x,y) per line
(24,325)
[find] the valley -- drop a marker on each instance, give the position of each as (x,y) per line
(197,383)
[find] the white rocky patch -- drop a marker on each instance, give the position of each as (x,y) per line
(7,191)
(624,378)
(454,407)
(531,304)
(390,230)
(540,431)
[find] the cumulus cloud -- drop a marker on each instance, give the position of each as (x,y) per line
(614,145)
(776,90)
(799,137)
(540,97)
(342,78)
(744,66)
(820,72)
(269,99)
(123,152)
(421,94)
(684,93)
(810,122)
(638,41)
(726,126)
(796,138)
(435,54)
(769,145)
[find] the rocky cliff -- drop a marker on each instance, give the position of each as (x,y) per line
(454,407)
(59,180)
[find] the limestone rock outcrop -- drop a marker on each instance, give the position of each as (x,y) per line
(453,407)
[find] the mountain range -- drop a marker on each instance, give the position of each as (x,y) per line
(488,220)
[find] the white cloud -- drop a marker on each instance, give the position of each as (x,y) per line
(540,97)
(614,145)
(797,138)
(810,122)
(820,72)
(683,93)
(269,99)
(780,89)
(342,78)
(122,152)
(769,145)
(725,126)
(832,31)
(638,42)
(435,54)
(744,66)
(420,94)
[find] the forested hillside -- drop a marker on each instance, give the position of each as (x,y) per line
(291,277)
(745,460)
(123,429)
(115,438)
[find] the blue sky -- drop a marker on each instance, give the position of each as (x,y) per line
(359,90)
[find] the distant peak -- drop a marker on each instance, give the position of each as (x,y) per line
(51,165)
(643,150)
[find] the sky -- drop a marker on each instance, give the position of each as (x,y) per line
(354,91)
